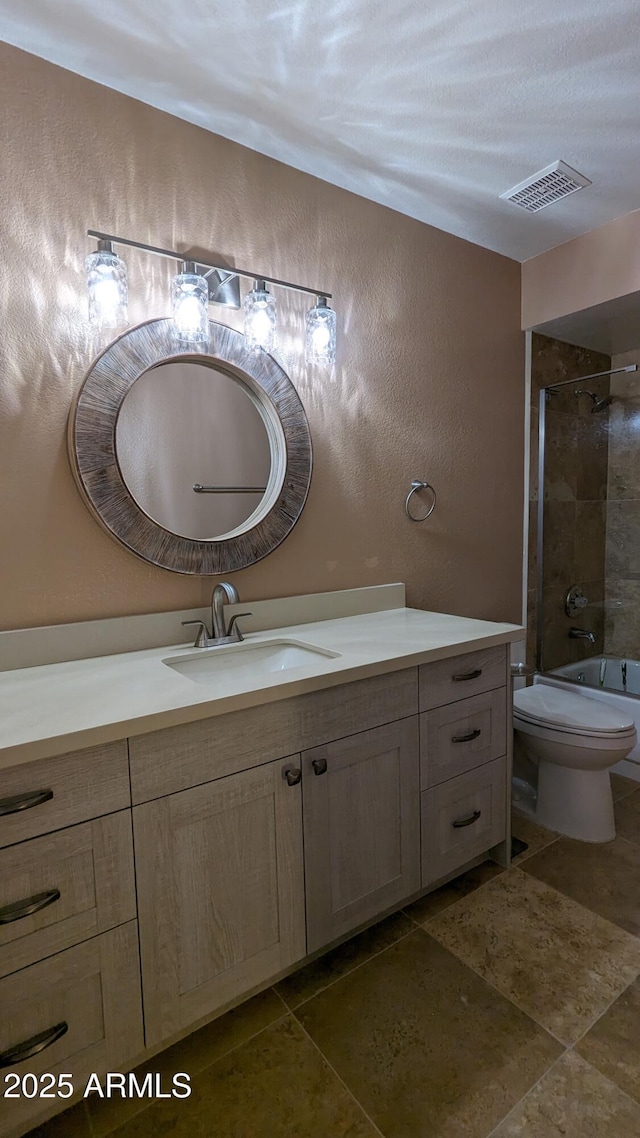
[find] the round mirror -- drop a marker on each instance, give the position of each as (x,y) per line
(194,449)
(196,460)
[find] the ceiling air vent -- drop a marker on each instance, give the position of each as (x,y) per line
(546,187)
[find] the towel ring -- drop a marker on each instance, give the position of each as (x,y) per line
(417,485)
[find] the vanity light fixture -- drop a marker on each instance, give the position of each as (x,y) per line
(197,285)
(189,305)
(320,334)
(260,317)
(107,287)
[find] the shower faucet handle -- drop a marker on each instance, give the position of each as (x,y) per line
(575,601)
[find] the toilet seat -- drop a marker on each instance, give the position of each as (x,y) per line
(541,708)
(621,739)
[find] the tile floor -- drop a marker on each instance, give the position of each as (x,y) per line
(506,1005)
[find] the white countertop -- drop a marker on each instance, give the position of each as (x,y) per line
(54,708)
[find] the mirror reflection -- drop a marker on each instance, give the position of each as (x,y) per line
(193,449)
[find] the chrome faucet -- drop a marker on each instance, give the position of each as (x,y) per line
(582,634)
(223,592)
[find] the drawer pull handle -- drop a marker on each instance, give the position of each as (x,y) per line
(292,775)
(468,737)
(462,822)
(20,909)
(477,672)
(19,802)
(319,766)
(33,1046)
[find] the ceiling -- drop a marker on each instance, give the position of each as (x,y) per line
(433,108)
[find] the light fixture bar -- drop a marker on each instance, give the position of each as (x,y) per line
(172,255)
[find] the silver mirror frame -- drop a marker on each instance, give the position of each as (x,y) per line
(92,449)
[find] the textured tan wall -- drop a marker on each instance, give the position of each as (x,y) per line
(591,269)
(430,382)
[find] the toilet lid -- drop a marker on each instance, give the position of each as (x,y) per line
(557,707)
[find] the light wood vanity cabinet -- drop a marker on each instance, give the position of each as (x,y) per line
(220,892)
(260,837)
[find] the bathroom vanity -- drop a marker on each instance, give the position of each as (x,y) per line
(183,857)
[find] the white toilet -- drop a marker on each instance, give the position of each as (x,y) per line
(573,741)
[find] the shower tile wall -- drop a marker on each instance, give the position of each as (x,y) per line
(575,492)
(622,589)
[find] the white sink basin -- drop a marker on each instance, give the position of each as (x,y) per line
(211,664)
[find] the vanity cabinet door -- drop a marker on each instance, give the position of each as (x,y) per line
(220,892)
(362,828)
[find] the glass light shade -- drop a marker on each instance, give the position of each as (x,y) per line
(260,318)
(189,306)
(107,287)
(320,336)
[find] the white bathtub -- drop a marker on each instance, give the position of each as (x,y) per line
(612,680)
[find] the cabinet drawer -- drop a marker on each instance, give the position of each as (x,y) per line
(36,798)
(181,757)
(462,819)
(461,736)
(89,996)
(462,676)
(63,888)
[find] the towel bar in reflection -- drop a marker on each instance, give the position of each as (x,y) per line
(199,489)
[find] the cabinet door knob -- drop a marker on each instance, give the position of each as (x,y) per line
(319,766)
(20,909)
(461,822)
(292,775)
(33,1046)
(27,801)
(468,737)
(477,672)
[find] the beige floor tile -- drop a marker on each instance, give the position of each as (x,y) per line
(427,1047)
(427,907)
(535,836)
(627,812)
(191,1055)
(621,786)
(573,1101)
(559,962)
(605,878)
(275,1086)
(72,1123)
(613,1044)
(307,981)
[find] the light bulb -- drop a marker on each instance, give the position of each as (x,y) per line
(320,337)
(189,304)
(260,318)
(107,288)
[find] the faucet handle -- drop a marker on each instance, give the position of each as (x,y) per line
(234,628)
(202,636)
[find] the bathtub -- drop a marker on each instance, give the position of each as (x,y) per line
(612,680)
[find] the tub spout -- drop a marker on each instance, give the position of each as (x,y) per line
(582,634)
